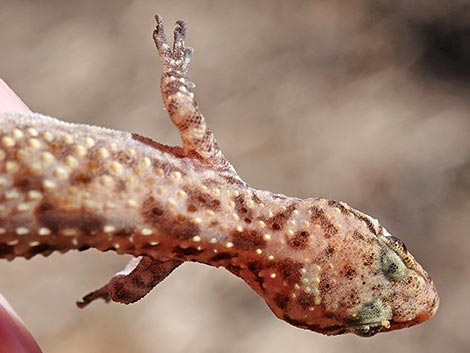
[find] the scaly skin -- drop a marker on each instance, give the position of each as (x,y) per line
(318,264)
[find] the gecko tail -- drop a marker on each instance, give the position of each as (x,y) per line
(139,277)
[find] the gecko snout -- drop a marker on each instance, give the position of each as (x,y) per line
(413,296)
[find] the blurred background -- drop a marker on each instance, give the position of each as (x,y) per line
(363,101)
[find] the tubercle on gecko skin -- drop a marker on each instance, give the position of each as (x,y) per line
(319,264)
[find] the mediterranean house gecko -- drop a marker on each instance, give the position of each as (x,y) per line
(319,264)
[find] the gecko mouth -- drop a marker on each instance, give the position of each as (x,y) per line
(373,328)
(362,330)
(368,330)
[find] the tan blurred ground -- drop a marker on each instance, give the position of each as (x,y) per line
(307,98)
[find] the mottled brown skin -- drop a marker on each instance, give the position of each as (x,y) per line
(318,264)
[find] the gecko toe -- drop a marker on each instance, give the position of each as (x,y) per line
(159,38)
(180,31)
(102,293)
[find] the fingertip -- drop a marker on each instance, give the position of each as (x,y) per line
(9,101)
(14,336)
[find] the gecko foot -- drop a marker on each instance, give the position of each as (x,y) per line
(134,282)
(176,59)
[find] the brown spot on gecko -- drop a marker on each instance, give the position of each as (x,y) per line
(6,250)
(339,205)
(282,301)
(358,235)
(233,269)
(319,217)
(248,239)
(124,158)
(191,208)
(348,272)
(121,293)
(243,211)
(329,251)
(25,182)
(290,270)
(255,268)
(120,185)
(80,178)
(181,228)
(255,198)
(185,253)
(353,298)
(278,221)
(200,200)
(233,180)
(139,281)
(123,232)
(43,249)
(86,175)
(299,240)
(167,223)
(306,300)
(59,149)
(368,259)
(366,220)
(56,219)
(326,286)
(225,256)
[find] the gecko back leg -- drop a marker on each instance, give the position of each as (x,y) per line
(179,100)
(134,282)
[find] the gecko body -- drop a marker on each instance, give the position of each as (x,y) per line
(319,264)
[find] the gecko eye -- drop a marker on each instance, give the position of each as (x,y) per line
(400,248)
(397,243)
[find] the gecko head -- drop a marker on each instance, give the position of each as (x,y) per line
(354,277)
(398,293)
(408,295)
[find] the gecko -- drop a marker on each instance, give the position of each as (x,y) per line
(319,264)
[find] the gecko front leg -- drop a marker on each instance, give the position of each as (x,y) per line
(134,282)
(198,139)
